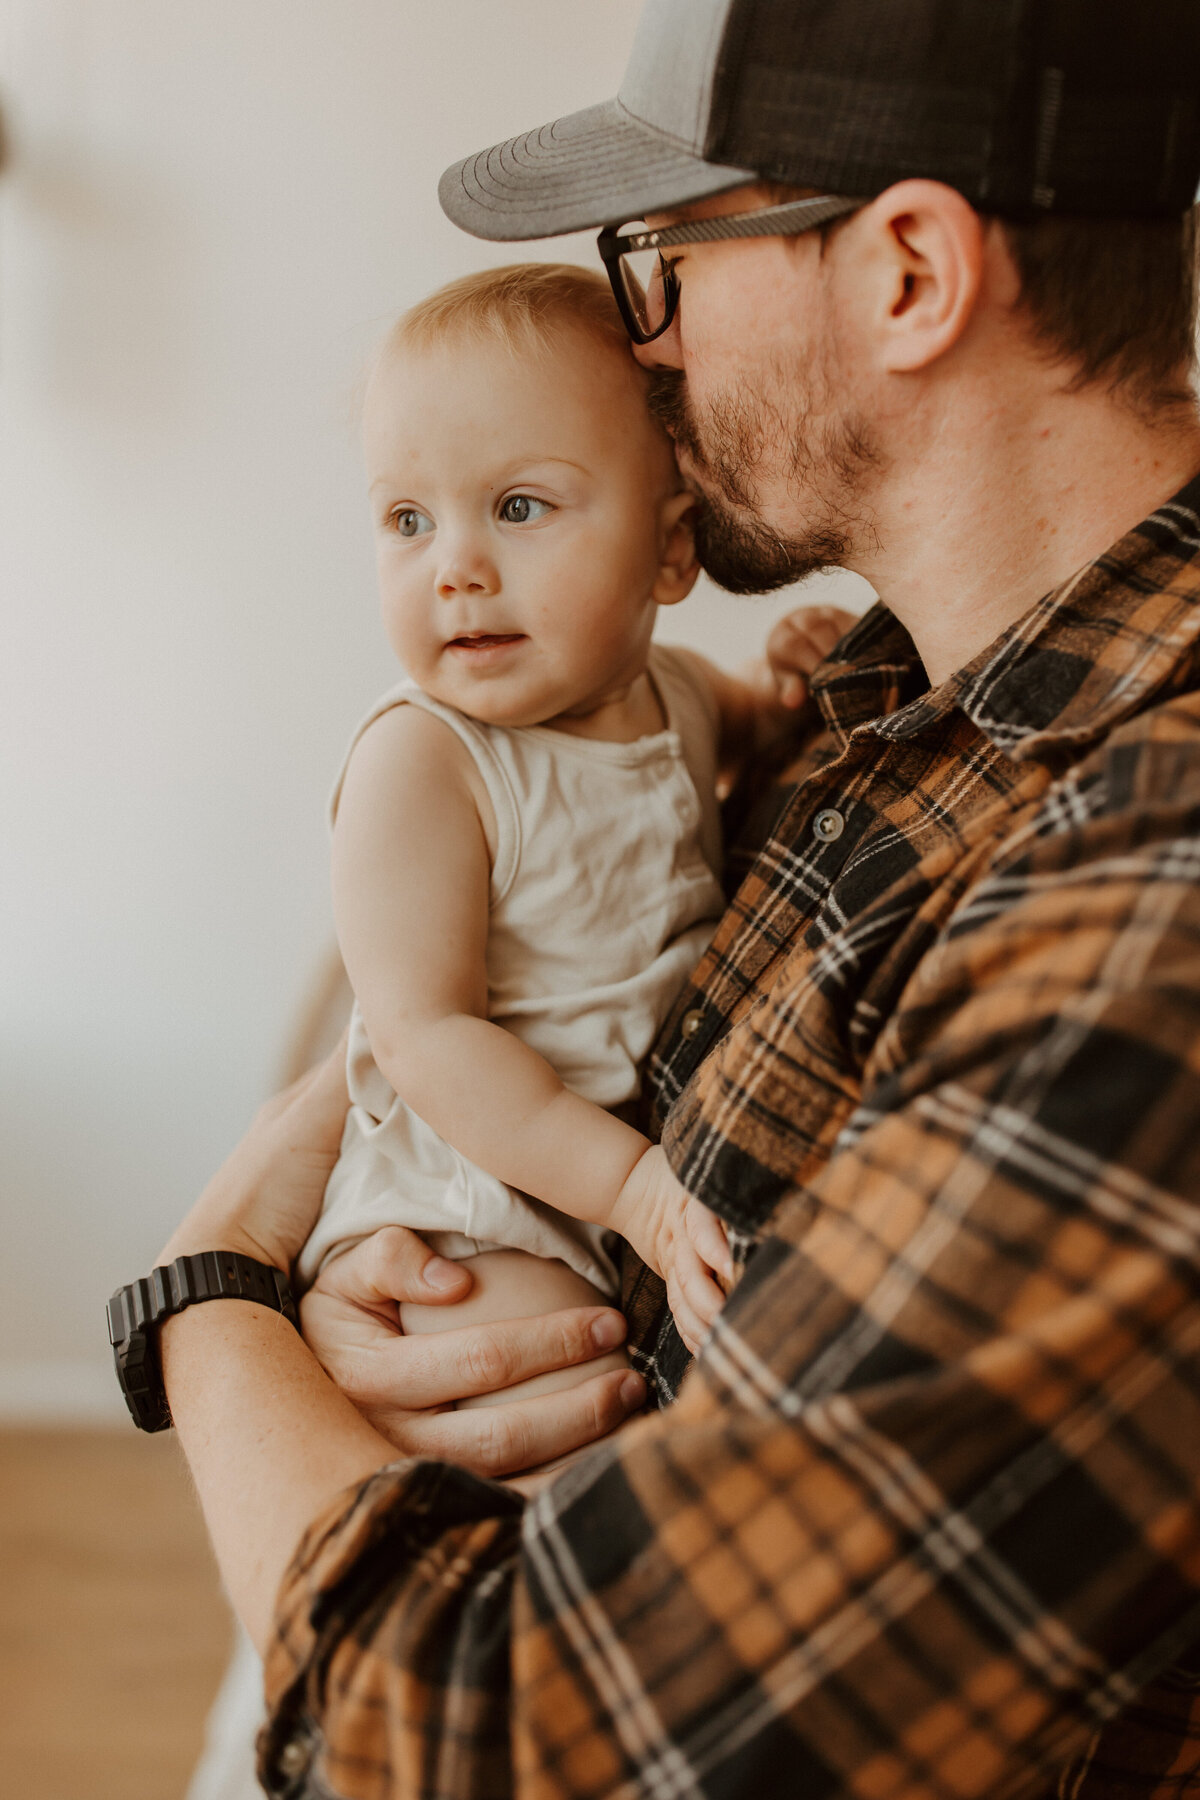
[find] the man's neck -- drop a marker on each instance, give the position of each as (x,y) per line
(1009,501)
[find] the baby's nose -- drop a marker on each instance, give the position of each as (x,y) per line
(454,583)
(465,571)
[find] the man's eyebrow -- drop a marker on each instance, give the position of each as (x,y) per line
(676,215)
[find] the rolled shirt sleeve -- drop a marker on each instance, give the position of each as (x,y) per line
(937,1580)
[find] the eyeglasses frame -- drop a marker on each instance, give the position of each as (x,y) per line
(789,220)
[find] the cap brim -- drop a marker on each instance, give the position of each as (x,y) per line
(596,167)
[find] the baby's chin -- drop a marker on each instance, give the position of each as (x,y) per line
(491,704)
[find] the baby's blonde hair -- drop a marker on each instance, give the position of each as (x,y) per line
(521,305)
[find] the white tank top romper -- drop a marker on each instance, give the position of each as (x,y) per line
(604,894)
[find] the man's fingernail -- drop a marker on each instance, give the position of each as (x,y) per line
(442,1275)
(608,1331)
(633,1391)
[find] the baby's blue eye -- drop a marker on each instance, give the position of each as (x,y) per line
(523,509)
(409,523)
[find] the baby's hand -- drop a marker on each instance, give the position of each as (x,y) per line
(798,642)
(680,1239)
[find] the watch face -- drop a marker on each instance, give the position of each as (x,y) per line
(135,1357)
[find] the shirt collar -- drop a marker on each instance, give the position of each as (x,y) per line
(1090,654)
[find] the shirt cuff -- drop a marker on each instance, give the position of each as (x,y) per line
(409,1525)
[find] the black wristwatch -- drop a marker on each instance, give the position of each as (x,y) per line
(135,1313)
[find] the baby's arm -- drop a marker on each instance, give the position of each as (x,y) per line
(411,871)
(757,704)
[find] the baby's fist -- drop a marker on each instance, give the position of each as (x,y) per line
(678,1238)
(699,1272)
(798,643)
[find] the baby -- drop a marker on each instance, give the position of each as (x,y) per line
(526,843)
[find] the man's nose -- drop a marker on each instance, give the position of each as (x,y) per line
(665,352)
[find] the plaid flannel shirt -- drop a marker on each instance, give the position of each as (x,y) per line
(924,1519)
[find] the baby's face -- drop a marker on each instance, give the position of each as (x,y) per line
(518,503)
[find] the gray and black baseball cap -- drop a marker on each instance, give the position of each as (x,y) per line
(1027,107)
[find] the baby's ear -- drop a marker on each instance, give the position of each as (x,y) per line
(677,564)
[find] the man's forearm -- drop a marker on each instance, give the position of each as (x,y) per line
(269,1439)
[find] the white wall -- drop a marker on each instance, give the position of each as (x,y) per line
(210,209)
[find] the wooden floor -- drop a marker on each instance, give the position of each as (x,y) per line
(113,1632)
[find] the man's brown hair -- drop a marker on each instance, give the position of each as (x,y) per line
(1116,297)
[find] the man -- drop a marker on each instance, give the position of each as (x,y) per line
(926,1513)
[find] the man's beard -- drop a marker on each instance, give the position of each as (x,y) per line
(827,469)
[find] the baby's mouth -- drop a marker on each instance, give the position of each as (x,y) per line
(484,640)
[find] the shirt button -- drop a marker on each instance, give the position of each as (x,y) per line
(828,825)
(691,1022)
(293,1758)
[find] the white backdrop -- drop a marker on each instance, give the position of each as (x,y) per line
(209,210)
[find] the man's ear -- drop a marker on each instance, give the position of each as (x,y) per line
(925,245)
(677,564)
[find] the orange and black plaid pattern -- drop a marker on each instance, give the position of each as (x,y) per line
(924,1519)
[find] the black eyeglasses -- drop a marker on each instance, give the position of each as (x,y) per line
(644,280)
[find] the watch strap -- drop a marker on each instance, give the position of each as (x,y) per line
(136,1311)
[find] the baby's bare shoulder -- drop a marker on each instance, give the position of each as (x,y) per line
(411,758)
(408,743)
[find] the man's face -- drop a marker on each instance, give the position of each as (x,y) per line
(757,384)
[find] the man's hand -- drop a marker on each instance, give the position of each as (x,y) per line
(680,1239)
(406,1387)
